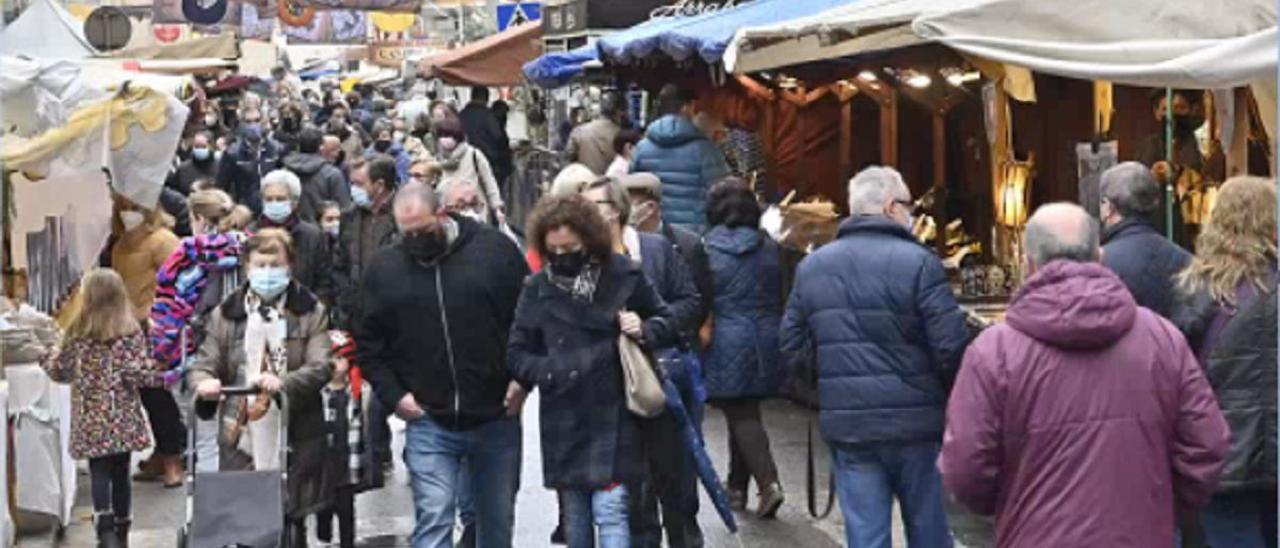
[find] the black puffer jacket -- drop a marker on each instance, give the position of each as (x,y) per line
(439,330)
(1237,348)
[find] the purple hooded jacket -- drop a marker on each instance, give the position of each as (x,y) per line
(1082,420)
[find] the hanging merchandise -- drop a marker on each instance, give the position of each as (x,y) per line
(199,13)
(258,23)
(204,12)
(393,22)
(108,28)
(330,27)
(403,6)
(167,34)
(293,14)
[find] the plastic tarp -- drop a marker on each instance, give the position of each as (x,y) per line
(494,61)
(46,30)
(557,69)
(706,35)
(40,94)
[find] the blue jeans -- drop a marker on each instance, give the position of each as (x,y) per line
(435,456)
(606,509)
(870,476)
(1240,520)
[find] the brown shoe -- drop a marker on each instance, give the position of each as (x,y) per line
(150,469)
(771,499)
(737,498)
(172,471)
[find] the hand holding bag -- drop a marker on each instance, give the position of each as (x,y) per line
(640,380)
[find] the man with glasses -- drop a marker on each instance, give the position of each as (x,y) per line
(874,312)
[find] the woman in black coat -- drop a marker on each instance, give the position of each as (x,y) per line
(565,342)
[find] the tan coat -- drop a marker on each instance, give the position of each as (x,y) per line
(222,356)
(591,144)
(137,256)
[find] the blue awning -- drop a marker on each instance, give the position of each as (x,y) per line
(705,35)
(557,69)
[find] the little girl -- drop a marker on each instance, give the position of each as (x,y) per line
(104,357)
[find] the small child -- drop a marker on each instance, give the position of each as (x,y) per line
(105,358)
(348,462)
(330,220)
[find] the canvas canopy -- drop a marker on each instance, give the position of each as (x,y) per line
(45,31)
(493,61)
(1156,43)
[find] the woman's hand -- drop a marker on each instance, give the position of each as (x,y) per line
(209,389)
(630,324)
(268,383)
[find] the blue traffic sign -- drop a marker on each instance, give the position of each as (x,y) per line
(515,13)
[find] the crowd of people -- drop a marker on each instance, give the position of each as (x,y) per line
(321,246)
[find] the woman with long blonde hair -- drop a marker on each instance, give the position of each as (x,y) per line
(1227,310)
(105,358)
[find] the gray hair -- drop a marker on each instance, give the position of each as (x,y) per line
(286,178)
(1061,231)
(1131,189)
(617,195)
(421,193)
(871,187)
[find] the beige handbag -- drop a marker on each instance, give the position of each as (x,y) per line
(640,381)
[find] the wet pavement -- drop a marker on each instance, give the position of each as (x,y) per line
(385,517)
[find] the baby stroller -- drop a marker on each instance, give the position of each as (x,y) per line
(237,509)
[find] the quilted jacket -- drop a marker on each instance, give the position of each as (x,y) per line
(687,163)
(743,285)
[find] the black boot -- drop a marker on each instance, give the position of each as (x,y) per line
(105,524)
(122,531)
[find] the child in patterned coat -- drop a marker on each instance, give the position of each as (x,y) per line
(349,456)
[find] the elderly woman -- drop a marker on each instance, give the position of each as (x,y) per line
(740,278)
(281,190)
(565,343)
(143,241)
(462,163)
(271,334)
(1227,310)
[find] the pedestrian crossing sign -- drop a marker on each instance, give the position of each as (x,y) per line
(514,13)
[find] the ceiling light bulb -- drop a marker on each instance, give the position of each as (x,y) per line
(867,76)
(919,81)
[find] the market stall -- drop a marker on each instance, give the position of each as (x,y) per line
(494,61)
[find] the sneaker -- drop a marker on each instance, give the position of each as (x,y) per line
(771,499)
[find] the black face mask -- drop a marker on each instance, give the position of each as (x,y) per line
(426,245)
(569,264)
(382,145)
(1186,123)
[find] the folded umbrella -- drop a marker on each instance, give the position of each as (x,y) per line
(693,442)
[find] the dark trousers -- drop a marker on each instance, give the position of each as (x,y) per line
(345,510)
(672,481)
(109,482)
(749,453)
(166,420)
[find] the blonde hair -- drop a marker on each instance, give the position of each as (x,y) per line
(1239,242)
(275,242)
(215,207)
(105,313)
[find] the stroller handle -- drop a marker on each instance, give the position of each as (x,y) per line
(247,390)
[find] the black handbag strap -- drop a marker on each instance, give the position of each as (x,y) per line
(811,481)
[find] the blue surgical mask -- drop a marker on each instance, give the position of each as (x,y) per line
(201,154)
(277,211)
(269,282)
(360,196)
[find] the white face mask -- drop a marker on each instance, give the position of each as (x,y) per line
(131,220)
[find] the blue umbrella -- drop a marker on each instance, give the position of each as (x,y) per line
(693,442)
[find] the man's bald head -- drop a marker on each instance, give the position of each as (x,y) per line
(1061,231)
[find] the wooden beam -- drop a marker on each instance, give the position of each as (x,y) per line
(889,131)
(940,180)
(846,140)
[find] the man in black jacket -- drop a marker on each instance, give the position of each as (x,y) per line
(1145,260)
(438,307)
(321,181)
(484,133)
(252,155)
(203,165)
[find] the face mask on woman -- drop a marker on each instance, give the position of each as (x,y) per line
(568,264)
(201,154)
(131,220)
(277,211)
(447,144)
(269,282)
(331,229)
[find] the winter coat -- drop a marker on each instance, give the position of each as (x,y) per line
(740,279)
(487,134)
(1236,346)
(222,357)
(106,411)
(363,232)
(137,256)
(191,172)
(1145,261)
(1083,420)
(312,265)
(241,169)
(672,278)
(873,309)
(468,164)
(687,163)
(439,330)
(591,144)
(568,349)
(687,243)
(321,181)
(397,153)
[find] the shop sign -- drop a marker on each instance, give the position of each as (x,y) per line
(690,8)
(566,18)
(394,54)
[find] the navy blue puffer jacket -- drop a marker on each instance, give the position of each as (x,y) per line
(687,163)
(1146,262)
(876,312)
(744,288)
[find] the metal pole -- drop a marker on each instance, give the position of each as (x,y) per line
(1168,155)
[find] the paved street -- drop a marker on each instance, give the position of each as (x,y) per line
(385,517)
